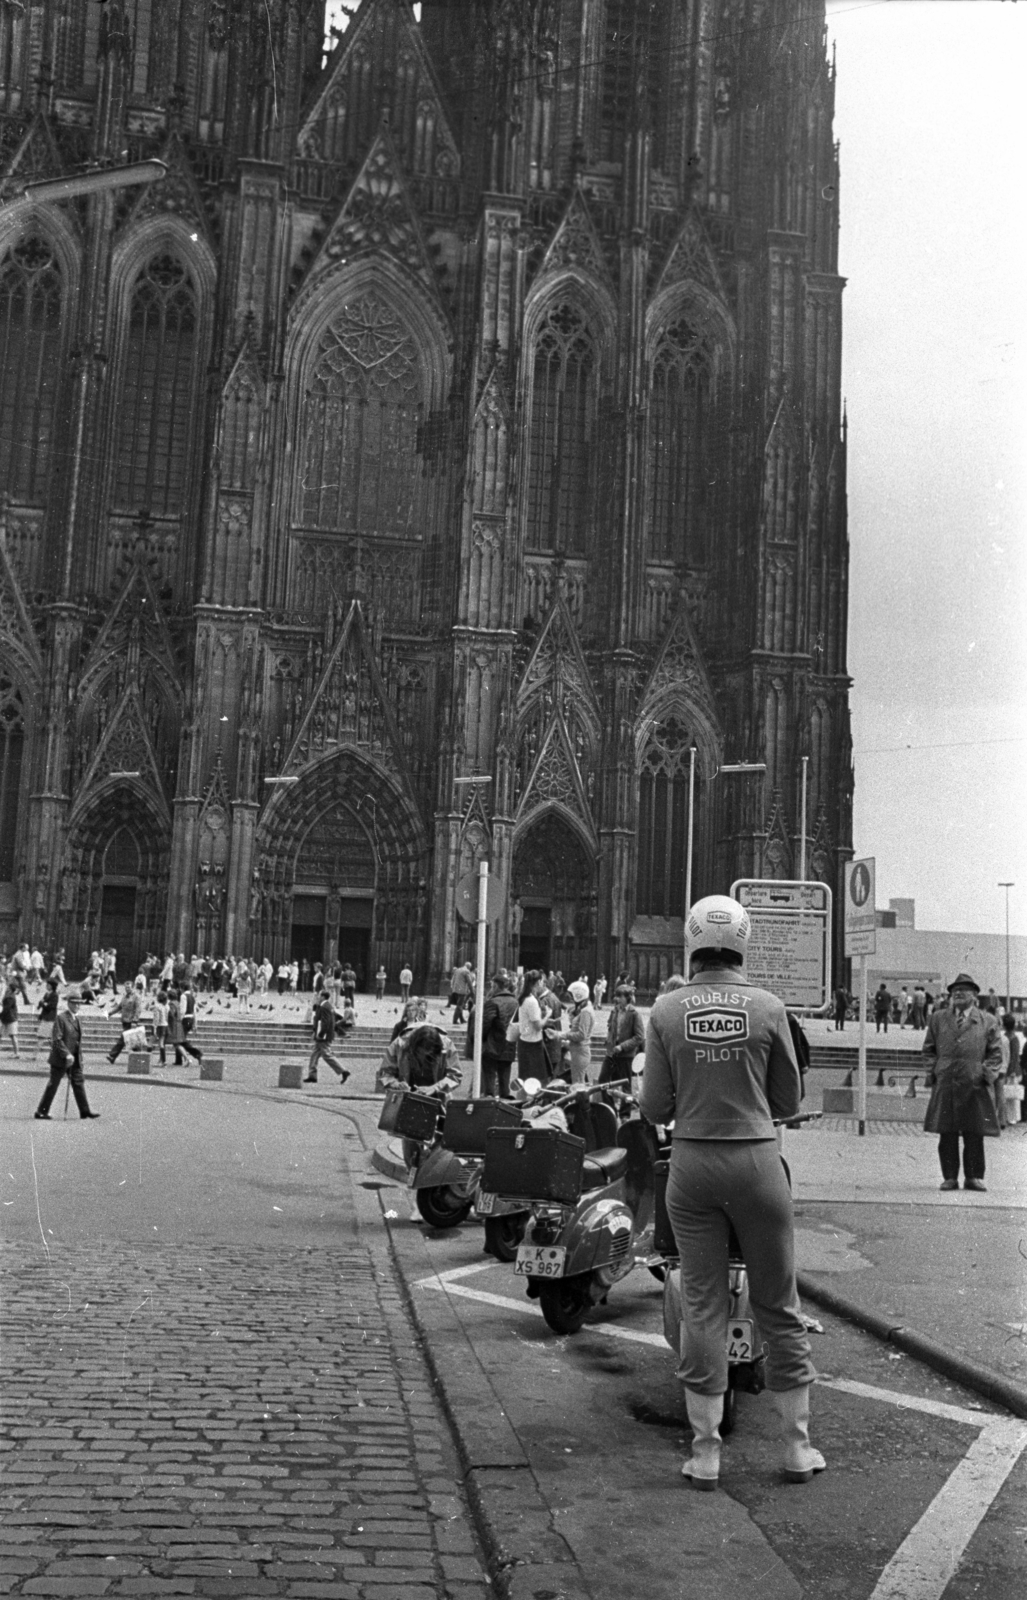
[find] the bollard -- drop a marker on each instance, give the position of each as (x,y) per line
(290,1075)
(212,1068)
(138,1061)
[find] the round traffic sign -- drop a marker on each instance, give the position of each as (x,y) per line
(859,884)
(467,897)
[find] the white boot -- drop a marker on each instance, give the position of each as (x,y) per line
(704,1414)
(801,1461)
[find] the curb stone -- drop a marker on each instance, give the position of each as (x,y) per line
(971,1374)
(527,1556)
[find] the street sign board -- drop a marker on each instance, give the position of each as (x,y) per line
(790,943)
(861,907)
(769,894)
(467,897)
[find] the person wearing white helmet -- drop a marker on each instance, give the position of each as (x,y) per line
(581,1021)
(720,1065)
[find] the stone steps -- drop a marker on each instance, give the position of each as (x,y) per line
(233,1035)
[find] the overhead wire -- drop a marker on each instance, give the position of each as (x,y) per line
(959,744)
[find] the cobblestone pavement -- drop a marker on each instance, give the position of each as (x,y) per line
(222,1421)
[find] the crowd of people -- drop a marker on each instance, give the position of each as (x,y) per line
(534,1024)
(907,1009)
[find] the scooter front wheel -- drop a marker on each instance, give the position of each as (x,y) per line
(566,1302)
(443,1207)
(503,1234)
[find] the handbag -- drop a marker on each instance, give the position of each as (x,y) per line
(513,1031)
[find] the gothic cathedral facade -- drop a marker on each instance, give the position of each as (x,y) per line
(464,404)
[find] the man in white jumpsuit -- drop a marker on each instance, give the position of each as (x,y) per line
(720,1065)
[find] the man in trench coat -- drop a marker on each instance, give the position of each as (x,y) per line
(963,1058)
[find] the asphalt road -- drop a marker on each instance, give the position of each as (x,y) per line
(601,1420)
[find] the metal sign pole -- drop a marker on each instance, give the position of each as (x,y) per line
(862,1108)
(688,846)
(479,992)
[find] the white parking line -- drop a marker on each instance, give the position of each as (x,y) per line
(929,1556)
(530,1308)
(911,1402)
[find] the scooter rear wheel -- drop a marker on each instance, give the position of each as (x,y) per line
(503,1234)
(566,1302)
(443,1207)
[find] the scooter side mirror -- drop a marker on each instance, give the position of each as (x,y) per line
(531,1086)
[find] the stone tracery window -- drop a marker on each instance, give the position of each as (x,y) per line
(361,414)
(663,821)
(158,394)
(636,55)
(12,741)
(561,434)
(679,417)
(30,339)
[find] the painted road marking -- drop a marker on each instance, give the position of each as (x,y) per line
(927,1559)
(531,1308)
(912,1402)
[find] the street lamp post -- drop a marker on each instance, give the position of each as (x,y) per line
(802,824)
(473,780)
(1007,887)
(691,828)
(732,766)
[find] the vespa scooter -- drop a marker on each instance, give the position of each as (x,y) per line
(444,1183)
(575,1251)
(505,1219)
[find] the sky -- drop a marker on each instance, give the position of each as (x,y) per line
(931,115)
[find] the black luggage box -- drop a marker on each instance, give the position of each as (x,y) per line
(663,1234)
(533,1163)
(468,1121)
(415,1116)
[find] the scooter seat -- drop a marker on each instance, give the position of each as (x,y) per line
(602,1167)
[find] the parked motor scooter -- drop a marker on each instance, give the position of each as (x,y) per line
(576,1248)
(444,1183)
(506,1218)
(746,1351)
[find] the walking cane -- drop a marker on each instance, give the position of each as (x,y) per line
(67,1096)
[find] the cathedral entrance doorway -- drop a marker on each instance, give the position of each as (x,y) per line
(307,942)
(334,886)
(114,895)
(342,870)
(554,882)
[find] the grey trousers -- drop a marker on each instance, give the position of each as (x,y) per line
(713,1184)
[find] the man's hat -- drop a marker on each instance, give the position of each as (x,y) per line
(963,980)
(73,993)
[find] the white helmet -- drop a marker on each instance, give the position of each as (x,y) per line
(717,923)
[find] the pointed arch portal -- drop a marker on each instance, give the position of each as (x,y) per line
(114,889)
(554,893)
(342,870)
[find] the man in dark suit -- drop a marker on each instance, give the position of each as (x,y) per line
(66,1057)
